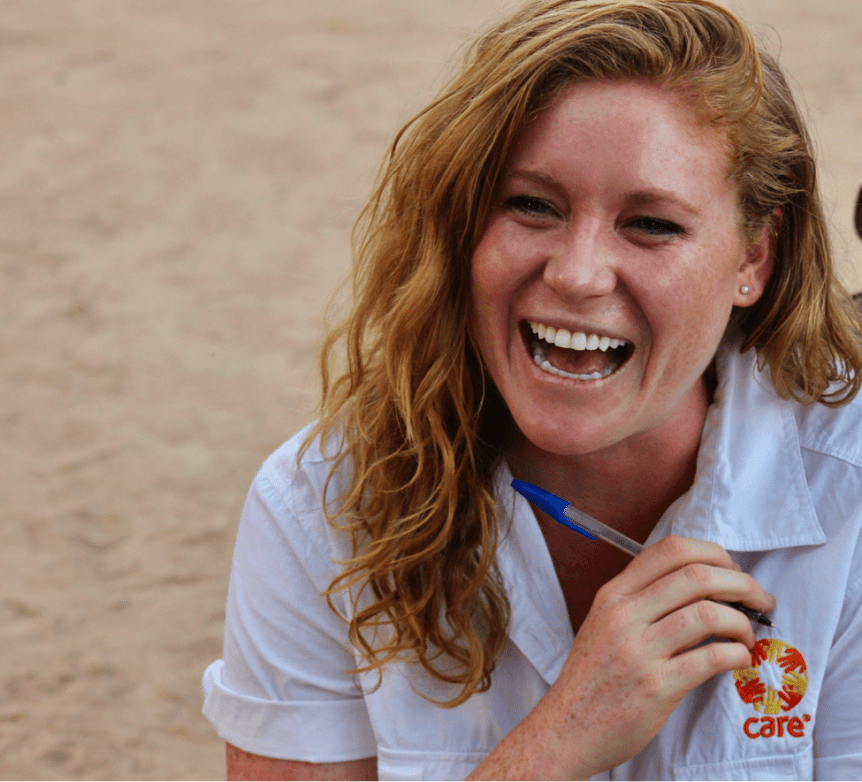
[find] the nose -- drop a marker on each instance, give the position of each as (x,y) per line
(583,266)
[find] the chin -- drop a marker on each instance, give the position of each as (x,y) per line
(569,441)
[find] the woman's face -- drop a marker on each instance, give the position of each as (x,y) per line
(606,274)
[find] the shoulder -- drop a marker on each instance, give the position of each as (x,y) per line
(830,444)
(300,466)
(832,431)
(285,504)
(753,402)
(298,473)
(830,441)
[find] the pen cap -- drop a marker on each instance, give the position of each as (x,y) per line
(543,500)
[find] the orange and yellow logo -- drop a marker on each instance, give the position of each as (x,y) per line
(767,696)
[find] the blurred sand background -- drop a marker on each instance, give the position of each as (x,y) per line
(178,179)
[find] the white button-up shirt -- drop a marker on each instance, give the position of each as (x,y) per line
(779,485)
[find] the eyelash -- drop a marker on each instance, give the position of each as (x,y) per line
(530,206)
(653,226)
(539,208)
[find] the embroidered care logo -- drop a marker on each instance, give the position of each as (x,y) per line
(775,683)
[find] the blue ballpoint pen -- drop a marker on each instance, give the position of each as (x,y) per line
(569,516)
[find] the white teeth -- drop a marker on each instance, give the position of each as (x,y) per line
(578,340)
(548,367)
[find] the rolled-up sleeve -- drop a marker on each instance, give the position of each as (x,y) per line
(282,689)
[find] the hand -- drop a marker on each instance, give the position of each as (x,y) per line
(635,657)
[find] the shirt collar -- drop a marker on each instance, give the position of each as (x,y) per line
(540,625)
(750,494)
(750,491)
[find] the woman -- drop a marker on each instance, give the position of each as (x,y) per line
(598,263)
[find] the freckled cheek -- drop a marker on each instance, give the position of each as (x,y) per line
(482,300)
(491,266)
(487,317)
(686,329)
(492,285)
(688,353)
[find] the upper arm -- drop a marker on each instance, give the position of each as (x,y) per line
(245,765)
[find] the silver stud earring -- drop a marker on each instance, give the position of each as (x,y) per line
(745,290)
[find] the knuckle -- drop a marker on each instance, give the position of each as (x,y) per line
(615,612)
(654,683)
(675,546)
(604,596)
(682,621)
(609,596)
(697,573)
(707,612)
(690,667)
(715,657)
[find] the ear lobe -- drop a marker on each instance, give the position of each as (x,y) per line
(759,263)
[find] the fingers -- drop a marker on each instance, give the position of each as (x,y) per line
(669,593)
(697,581)
(641,647)
(691,625)
(669,555)
(686,661)
(693,667)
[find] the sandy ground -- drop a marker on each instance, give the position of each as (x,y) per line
(177,183)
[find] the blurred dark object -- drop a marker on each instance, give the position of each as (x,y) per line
(858,297)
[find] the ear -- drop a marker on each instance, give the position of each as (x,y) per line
(758,264)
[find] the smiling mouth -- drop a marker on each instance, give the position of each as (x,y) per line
(575,355)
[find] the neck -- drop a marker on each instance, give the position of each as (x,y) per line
(628,486)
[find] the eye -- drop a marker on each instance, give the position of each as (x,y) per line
(653,226)
(531,207)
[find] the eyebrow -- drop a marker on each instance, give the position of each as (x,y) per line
(536,176)
(658,197)
(641,198)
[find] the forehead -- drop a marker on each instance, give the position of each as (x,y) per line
(635,132)
(631,102)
